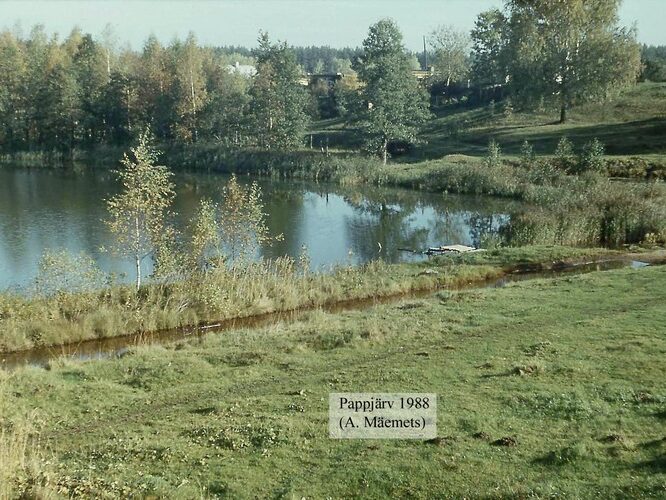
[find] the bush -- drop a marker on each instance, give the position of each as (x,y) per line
(564,155)
(542,172)
(637,167)
(494,156)
(592,157)
(62,272)
(526,155)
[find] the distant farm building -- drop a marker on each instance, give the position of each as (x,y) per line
(423,74)
(246,70)
(320,79)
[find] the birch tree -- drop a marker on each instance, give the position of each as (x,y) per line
(451,49)
(278,101)
(137,215)
(189,89)
(394,105)
(570,50)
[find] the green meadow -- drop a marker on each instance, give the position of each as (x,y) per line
(631,127)
(547,388)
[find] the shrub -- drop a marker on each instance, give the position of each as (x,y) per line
(508,109)
(62,272)
(564,155)
(526,154)
(543,172)
(592,157)
(494,156)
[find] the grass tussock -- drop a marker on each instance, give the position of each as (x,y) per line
(22,464)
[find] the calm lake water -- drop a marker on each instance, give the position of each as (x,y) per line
(44,209)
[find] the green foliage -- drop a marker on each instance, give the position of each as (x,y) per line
(189,89)
(277,107)
(60,272)
(242,220)
(564,155)
(507,109)
(489,40)
(81,92)
(394,107)
(347,98)
(571,51)
(13,70)
(543,172)
(493,156)
(592,157)
(231,231)
(451,53)
(653,62)
(137,216)
(527,156)
(205,240)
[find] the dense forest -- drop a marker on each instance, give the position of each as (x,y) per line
(61,94)
(58,94)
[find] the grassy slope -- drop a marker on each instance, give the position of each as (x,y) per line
(245,414)
(632,124)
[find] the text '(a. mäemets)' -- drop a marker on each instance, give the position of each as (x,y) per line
(382,415)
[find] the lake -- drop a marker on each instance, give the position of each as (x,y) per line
(44,209)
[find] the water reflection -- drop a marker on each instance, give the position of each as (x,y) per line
(55,209)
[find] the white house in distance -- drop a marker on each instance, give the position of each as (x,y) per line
(246,70)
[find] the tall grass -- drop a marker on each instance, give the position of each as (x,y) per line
(221,293)
(590,211)
(300,164)
(21,464)
(585,209)
(238,291)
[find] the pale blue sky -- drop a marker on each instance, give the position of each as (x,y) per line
(301,22)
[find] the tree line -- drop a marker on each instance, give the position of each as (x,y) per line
(81,91)
(74,93)
(59,95)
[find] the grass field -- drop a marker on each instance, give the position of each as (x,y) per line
(632,127)
(633,123)
(570,371)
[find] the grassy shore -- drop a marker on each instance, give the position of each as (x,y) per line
(548,388)
(71,316)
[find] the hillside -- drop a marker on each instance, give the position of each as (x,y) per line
(633,124)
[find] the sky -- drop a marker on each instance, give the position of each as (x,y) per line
(337,23)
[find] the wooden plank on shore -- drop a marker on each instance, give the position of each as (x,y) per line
(452,248)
